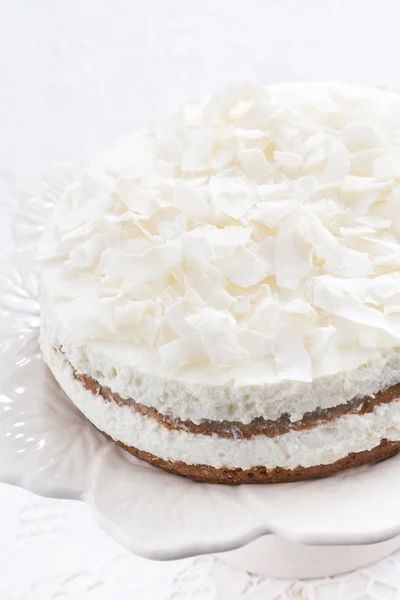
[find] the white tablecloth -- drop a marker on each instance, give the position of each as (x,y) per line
(76,75)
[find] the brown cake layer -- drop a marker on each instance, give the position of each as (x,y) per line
(208,474)
(257,474)
(235,429)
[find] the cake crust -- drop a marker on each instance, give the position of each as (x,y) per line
(208,474)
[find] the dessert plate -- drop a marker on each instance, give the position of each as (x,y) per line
(49,448)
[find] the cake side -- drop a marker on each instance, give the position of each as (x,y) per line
(323,445)
(227,401)
(237,429)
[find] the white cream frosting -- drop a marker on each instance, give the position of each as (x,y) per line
(113,365)
(251,241)
(321,445)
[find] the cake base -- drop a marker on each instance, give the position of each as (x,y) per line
(208,474)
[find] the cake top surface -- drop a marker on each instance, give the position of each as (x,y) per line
(252,238)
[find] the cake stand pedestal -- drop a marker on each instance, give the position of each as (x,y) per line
(272,556)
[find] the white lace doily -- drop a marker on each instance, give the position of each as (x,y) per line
(75,75)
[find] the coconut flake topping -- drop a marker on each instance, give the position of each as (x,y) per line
(259,232)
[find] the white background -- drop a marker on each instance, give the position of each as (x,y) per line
(76,75)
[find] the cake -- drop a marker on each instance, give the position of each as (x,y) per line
(220,293)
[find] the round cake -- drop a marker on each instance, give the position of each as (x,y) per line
(220,293)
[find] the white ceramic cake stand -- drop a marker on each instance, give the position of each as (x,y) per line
(294,530)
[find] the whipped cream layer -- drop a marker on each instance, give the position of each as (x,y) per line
(250,241)
(113,366)
(321,445)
